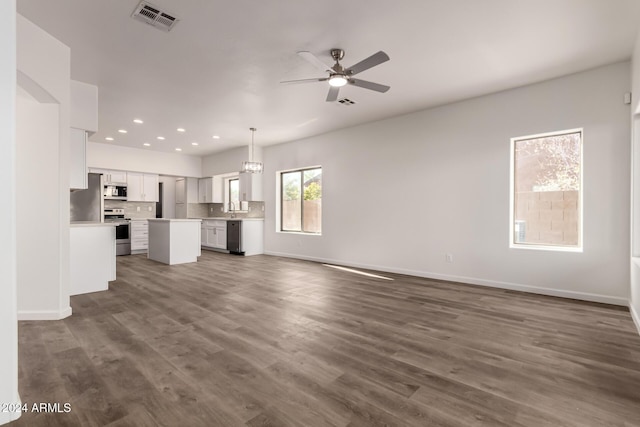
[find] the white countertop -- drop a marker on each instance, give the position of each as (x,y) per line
(92,224)
(175,219)
(226,218)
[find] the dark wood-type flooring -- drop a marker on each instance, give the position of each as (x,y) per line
(267,341)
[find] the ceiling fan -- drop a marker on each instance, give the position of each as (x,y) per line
(340,76)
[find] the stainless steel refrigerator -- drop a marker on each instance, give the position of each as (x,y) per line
(88,205)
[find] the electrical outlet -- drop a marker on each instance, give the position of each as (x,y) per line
(137,208)
(149,208)
(221,209)
(262,208)
(448,257)
(211,209)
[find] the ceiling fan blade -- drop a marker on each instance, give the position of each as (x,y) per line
(365,64)
(369,85)
(319,79)
(313,60)
(333,94)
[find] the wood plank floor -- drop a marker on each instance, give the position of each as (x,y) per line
(267,341)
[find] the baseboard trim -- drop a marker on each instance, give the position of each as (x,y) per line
(635,317)
(583,296)
(44,315)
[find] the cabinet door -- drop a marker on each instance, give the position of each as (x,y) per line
(135,192)
(203,236)
(78,158)
(221,237)
(191,190)
(118,176)
(150,187)
(211,237)
(217,190)
(180,190)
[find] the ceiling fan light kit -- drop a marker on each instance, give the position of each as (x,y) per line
(340,76)
(251,166)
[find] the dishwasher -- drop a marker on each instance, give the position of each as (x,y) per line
(234,237)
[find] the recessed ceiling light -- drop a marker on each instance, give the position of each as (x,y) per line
(180,129)
(138,121)
(122,131)
(178,149)
(194,143)
(109,138)
(161,138)
(146,144)
(216,137)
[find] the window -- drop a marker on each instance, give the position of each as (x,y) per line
(546,186)
(233,194)
(301,200)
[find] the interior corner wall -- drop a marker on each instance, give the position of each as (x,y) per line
(399,194)
(8,288)
(45,63)
(227,161)
(109,156)
(168,196)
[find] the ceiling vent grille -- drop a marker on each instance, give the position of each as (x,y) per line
(346,101)
(152,15)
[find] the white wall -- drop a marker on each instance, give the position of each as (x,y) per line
(168,196)
(226,161)
(400,193)
(109,156)
(634,297)
(8,291)
(43,65)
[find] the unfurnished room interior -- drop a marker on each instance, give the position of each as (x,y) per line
(297,213)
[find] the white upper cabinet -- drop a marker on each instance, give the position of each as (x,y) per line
(111,176)
(205,190)
(142,187)
(78,159)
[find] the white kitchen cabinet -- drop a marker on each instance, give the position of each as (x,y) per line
(214,234)
(181,190)
(78,159)
(250,186)
(205,190)
(139,235)
(142,187)
(217,183)
(111,176)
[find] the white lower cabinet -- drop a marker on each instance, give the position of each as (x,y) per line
(139,235)
(214,234)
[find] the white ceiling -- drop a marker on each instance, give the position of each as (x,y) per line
(218,70)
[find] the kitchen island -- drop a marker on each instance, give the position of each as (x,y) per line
(92,248)
(174,241)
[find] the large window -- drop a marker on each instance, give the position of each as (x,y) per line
(546,186)
(233,194)
(301,200)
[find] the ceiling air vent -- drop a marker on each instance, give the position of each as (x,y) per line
(346,101)
(152,15)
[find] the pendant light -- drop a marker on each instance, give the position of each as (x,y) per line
(251,166)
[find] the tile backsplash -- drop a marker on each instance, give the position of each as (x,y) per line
(256,210)
(135,210)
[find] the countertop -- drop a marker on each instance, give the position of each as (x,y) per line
(92,224)
(174,219)
(226,218)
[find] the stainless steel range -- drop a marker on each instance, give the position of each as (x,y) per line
(123,230)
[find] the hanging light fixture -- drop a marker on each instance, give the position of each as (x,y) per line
(251,166)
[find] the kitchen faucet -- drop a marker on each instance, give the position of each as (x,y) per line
(232,209)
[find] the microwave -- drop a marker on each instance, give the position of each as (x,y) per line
(115,192)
